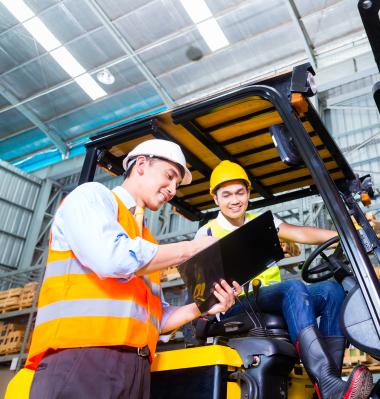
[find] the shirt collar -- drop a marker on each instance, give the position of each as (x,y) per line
(125,197)
(225,224)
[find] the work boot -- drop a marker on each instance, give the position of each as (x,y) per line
(323,370)
(335,347)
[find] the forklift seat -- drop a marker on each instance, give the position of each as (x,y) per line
(241,324)
(274,322)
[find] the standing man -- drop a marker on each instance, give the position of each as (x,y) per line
(100,310)
(321,349)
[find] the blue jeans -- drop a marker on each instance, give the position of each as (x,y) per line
(301,304)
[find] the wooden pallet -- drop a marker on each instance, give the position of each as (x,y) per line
(12,342)
(9,299)
(353,356)
(10,293)
(18,298)
(27,295)
(170,274)
(374,368)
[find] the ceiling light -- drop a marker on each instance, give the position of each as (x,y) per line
(19,9)
(207,26)
(197,9)
(88,84)
(67,62)
(212,34)
(194,53)
(42,34)
(105,76)
(51,44)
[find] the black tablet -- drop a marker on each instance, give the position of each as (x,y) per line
(240,256)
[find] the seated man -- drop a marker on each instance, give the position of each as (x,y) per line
(320,348)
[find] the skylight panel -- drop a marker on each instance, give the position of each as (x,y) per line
(213,34)
(50,43)
(206,24)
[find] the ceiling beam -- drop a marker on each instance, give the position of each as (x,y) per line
(150,110)
(62,169)
(308,44)
(58,142)
(124,44)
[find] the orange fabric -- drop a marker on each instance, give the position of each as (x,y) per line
(85,330)
(54,256)
(87,286)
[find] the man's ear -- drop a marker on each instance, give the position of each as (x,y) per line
(215,199)
(141,162)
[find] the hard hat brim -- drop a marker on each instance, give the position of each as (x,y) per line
(187,176)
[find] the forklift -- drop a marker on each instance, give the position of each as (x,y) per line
(271,129)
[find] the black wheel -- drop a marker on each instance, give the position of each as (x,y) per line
(324,270)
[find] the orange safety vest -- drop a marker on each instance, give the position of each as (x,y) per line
(78,309)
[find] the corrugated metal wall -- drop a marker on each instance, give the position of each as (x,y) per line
(353,119)
(18,199)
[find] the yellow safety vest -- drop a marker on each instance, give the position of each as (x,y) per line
(270,276)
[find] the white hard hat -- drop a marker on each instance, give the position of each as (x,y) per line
(161,149)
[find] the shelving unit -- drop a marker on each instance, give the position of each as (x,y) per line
(16,313)
(9,358)
(25,316)
(174,283)
(38,201)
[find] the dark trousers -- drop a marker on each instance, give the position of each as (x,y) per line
(92,373)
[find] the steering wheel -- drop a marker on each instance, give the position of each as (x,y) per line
(326,269)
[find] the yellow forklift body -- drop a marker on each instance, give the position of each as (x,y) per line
(204,356)
(196,357)
(300,386)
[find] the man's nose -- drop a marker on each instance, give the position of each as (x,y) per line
(235,199)
(173,188)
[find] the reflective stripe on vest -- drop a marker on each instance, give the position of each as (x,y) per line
(95,308)
(73,266)
(269,276)
(78,309)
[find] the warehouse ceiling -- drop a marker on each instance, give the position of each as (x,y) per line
(69,69)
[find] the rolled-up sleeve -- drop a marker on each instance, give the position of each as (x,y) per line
(277,222)
(87,222)
(167,311)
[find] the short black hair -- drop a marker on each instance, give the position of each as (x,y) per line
(131,164)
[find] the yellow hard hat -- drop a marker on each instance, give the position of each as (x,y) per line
(227,171)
